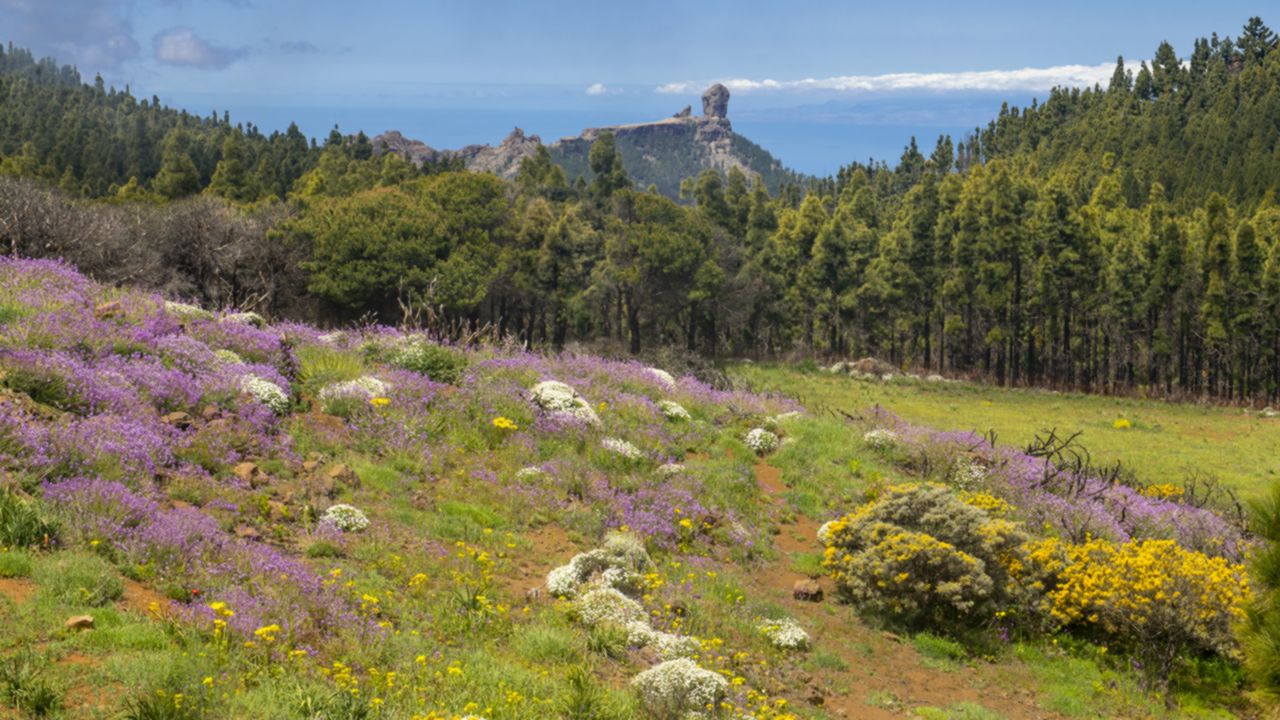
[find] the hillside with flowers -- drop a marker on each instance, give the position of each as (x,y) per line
(204,514)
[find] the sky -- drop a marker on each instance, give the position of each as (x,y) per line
(818,83)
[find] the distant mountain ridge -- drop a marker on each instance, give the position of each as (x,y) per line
(660,153)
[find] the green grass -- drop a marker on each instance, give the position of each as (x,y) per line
(957,711)
(1166,440)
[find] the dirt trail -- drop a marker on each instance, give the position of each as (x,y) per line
(885,678)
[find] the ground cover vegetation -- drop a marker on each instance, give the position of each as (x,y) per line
(484,532)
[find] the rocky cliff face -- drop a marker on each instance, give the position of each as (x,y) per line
(660,153)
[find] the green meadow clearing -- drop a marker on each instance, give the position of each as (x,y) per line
(1165,441)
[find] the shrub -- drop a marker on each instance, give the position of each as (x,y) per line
(14,563)
(265,392)
(1260,631)
(762,441)
(920,555)
(80,580)
(347,397)
(618,562)
(22,524)
(678,688)
(320,366)
(673,411)
(784,634)
(1154,597)
(880,439)
(416,353)
(558,398)
(345,518)
(621,447)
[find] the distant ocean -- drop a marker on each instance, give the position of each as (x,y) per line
(816,139)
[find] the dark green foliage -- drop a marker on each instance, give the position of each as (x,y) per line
(1260,631)
(160,705)
(23,524)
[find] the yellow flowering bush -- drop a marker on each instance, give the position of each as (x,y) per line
(921,555)
(1160,599)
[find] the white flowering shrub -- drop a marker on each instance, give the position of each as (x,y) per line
(662,376)
(673,410)
(667,645)
(228,357)
(605,604)
(933,378)
(183,311)
(621,447)
(679,689)
(762,441)
(345,518)
(265,392)
(556,397)
(245,318)
(618,563)
(967,474)
(880,439)
(784,634)
(342,398)
(332,338)
(669,469)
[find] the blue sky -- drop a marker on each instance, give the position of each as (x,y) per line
(818,83)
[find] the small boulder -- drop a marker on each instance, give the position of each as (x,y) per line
(107,310)
(250,473)
(807,591)
(79,622)
(342,475)
(178,419)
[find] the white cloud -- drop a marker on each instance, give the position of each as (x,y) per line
(181,46)
(598,89)
(1024,79)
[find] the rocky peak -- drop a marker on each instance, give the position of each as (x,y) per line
(686,112)
(715,101)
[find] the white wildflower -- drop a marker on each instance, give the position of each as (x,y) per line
(332,338)
(967,474)
(187,312)
(557,397)
(529,474)
(345,518)
(826,533)
(605,604)
(668,645)
(228,357)
(563,581)
(678,688)
(784,634)
(669,469)
(673,410)
(935,378)
(362,388)
(245,318)
(662,376)
(762,441)
(618,446)
(266,392)
(880,438)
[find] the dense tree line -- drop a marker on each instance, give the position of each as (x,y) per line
(1111,238)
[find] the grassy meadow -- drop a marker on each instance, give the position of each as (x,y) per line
(1163,442)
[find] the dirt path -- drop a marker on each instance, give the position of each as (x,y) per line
(885,677)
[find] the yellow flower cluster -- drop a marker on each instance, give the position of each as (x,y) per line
(992,505)
(1150,589)
(1163,491)
(1121,424)
(379,402)
(504,423)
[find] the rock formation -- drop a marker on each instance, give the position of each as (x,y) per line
(715,101)
(661,152)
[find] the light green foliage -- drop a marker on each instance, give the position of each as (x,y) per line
(79,580)
(23,523)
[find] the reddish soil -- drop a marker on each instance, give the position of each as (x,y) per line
(549,546)
(17,590)
(139,598)
(882,669)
